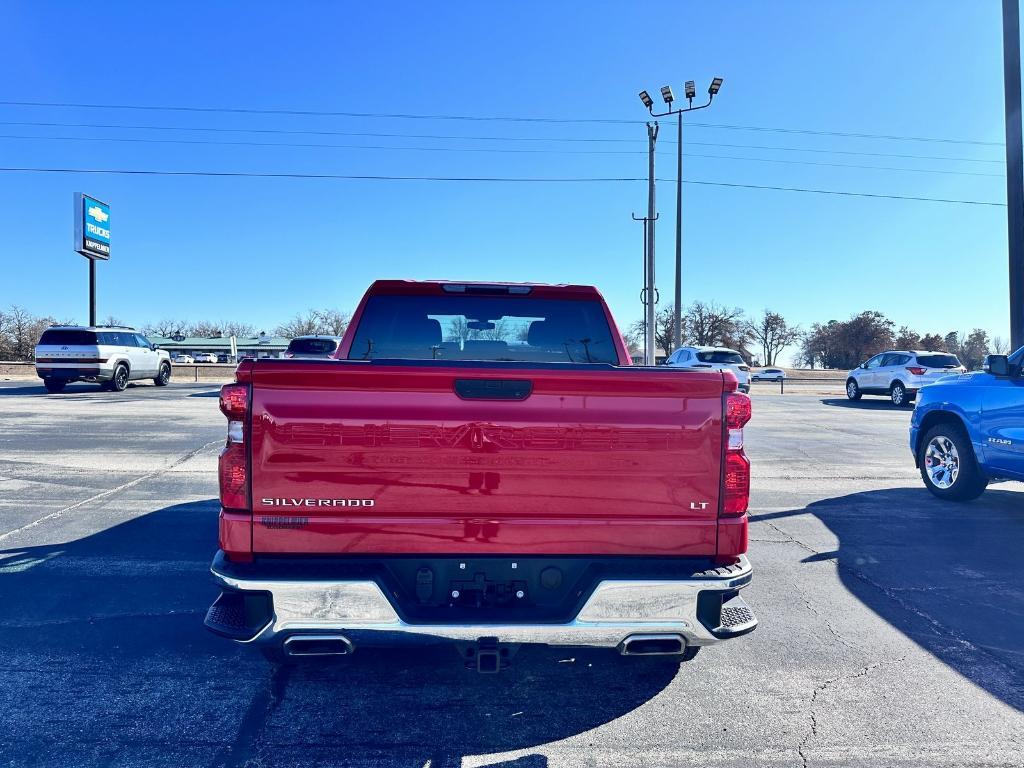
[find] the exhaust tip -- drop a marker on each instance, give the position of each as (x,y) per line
(318,645)
(653,645)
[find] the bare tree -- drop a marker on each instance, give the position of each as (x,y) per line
(1000,346)
(907,339)
(205,329)
(330,322)
(664,323)
(773,333)
(166,328)
(715,325)
(19,333)
(112,320)
(333,322)
(241,330)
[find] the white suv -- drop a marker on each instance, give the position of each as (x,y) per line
(899,375)
(110,355)
(718,358)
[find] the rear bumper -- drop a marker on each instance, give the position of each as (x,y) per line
(266,609)
(73,373)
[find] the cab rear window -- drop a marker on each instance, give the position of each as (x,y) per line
(938,361)
(59,338)
(484,328)
(728,358)
(312,346)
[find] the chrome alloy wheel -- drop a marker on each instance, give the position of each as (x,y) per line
(851,389)
(942,462)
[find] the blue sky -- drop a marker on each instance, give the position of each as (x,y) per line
(260,249)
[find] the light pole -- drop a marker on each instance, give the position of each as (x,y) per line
(669,98)
(1014,168)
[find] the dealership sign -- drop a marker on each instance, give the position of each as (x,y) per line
(92,227)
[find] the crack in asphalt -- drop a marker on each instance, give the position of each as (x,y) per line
(110,492)
(812,731)
(933,624)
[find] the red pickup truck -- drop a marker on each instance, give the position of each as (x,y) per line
(481,465)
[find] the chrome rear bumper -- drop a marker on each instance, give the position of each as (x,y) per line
(615,610)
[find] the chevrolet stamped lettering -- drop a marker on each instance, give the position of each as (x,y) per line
(317,502)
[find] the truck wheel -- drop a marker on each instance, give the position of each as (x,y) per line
(898,394)
(852,390)
(53,386)
(164,376)
(948,465)
(120,381)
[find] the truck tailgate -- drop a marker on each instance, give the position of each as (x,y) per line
(357,457)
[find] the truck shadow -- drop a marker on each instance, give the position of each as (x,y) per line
(108,630)
(946,575)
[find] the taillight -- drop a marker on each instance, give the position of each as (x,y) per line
(736,493)
(234,477)
(737,410)
(234,401)
(917,371)
(233,465)
(736,485)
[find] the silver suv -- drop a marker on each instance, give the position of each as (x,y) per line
(110,355)
(717,358)
(899,375)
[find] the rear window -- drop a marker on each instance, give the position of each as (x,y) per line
(729,358)
(938,361)
(485,328)
(312,346)
(69,338)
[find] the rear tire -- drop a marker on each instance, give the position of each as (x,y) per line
(164,376)
(54,386)
(120,381)
(948,465)
(853,390)
(898,394)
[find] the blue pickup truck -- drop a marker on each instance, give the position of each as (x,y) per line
(968,430)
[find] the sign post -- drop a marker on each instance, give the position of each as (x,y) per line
(92,239)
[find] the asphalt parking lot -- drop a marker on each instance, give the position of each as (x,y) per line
(892,625)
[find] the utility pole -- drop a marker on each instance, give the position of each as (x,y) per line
(643,291)
(669,98)
(650,287)
(1014,168)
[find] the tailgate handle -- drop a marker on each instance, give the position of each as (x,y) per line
(493,389)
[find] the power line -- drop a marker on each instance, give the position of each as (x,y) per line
(481,118)
(207,142)
(488,179)
(575,139)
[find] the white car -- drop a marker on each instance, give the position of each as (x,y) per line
(109,355)
(717,358)
(182,359)
(768,374)
(899,375)
(204,357)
